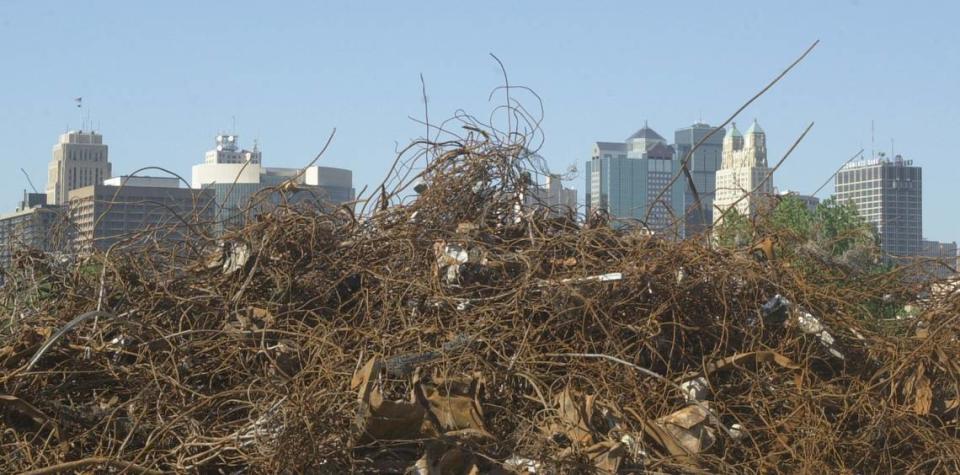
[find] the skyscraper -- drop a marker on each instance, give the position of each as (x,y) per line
(703,166)
(888,194)
(237,176)
(743,180)
(79,159)
(624,178)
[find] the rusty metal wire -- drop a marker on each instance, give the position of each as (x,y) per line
(501,337)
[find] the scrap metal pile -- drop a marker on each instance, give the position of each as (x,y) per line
(455,330)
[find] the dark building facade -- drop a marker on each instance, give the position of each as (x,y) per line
(703,166)
(624,179)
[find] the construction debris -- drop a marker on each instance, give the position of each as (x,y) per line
(452,330)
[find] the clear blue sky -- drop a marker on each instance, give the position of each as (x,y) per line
(162,78)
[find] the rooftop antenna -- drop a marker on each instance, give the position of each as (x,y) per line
(234,131)
(79,102)
(891,148)
(873,154)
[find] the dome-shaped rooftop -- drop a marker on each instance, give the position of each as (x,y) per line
(733,132)
(755,128)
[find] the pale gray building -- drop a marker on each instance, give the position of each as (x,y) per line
(79,159)
(552,196)
(703,166)
(242,187)
(34,225)
(103,215)
(888,194)
(940,258)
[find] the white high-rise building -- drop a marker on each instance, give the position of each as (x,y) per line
(237,178)
(228,151)
(743,178)
(79,159)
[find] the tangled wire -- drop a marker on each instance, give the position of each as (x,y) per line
(458,329)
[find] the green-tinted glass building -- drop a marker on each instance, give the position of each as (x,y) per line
(624,179)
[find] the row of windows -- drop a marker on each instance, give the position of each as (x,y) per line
(85,155)
(85,177)
(661,166)
(868,197)
(878,173)
(610,155)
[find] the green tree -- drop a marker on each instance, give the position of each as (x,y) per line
(840,228)
(833,233)
(791,214)
(734,231)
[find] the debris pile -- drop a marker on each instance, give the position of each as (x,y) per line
(456,330)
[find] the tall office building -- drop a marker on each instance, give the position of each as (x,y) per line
(623,178)
(237,176)
(79,159)
(703,166)
(888,194)
(138,210)
(743,181)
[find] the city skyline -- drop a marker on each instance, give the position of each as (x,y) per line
(161,96)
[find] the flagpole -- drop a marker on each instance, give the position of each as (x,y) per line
(79,101)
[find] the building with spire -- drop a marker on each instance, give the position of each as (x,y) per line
(744,179)
(79,159)
(625,178)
